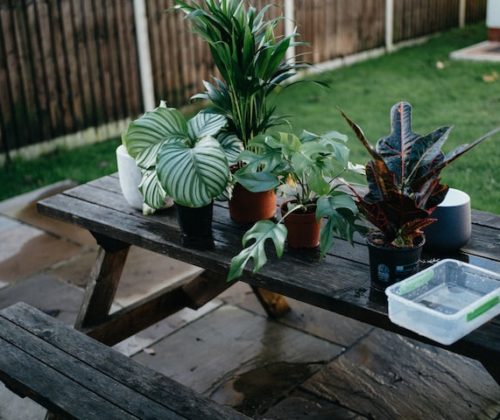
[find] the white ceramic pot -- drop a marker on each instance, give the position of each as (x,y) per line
(453,227)
(130,177)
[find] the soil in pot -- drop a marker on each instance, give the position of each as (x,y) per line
(196,226)
(389,265)
(248,207)
(303,228)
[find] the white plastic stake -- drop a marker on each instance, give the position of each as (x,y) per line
(144,51)
(290,27)
(389,25)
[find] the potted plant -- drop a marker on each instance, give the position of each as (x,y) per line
(192,167)
(404,188)
(252,63)
(306,169)
(143,139)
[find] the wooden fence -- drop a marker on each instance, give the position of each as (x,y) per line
(66,65)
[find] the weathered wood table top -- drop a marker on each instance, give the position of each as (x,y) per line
(339,283)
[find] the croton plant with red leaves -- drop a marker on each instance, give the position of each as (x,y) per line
(404,177)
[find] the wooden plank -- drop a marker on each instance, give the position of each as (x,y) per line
(26,376)
(101,287)
(141,379)
(384,377)
(93,385)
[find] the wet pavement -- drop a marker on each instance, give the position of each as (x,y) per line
(311,364)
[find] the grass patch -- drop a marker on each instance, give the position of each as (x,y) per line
(82,165)
(455,95)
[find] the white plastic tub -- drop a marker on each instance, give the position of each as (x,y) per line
(446,301)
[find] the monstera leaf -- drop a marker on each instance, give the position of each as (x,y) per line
(404,176)
(193,175)
(260,233)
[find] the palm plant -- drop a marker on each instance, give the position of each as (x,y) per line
(250,58)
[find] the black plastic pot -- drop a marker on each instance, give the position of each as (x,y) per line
(196,226)
(389,265)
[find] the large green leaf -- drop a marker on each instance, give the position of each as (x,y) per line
(205,124)
(151,190)
(257,181)
(193,176)
(259,233)
(232,146)
(145,135)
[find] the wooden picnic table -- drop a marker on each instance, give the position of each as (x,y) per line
(339,283)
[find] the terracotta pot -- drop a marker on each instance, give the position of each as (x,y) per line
(247,207)
(303,229)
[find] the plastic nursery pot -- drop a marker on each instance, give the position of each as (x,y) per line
(303,228)
(247,207)
(389,265)
(196,226)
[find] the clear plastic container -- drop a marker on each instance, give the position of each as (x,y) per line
(446,301)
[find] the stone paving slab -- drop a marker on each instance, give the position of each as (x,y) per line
(316,321)
(386,376)
(209,351)
(27,250)
(46,293)
(23,208)
(301,405)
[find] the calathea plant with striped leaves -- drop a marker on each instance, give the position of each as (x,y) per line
(145,137)
(187,160)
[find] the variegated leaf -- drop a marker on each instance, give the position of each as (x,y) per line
(193,176)
(205,124)
(151,190)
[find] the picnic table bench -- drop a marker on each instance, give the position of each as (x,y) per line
(339,283)
(75,376)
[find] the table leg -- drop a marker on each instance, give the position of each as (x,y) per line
(102,285)
(493,368)
(274,304)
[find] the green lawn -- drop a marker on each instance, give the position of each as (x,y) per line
(455,95)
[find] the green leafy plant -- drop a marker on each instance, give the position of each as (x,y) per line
(306,169)
(146,136)
(250,58)
(404,177)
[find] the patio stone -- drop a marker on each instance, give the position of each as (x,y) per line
(228,342)
(156,332)
(391,377)
(316,321)
(27,250)
(13,407)
(23,208)
(301,405)
(147,272)
(46,293)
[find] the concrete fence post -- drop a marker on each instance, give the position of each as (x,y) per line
(289,12)
(462,11)
(389,25)
(144,51)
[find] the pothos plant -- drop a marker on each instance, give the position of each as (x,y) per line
(404,177)
(250,58)
(146,136)
(306,169)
